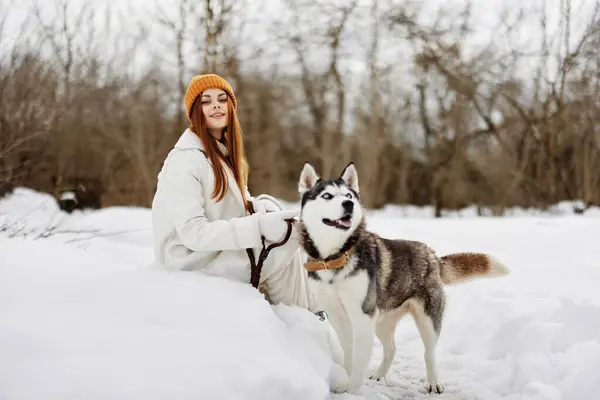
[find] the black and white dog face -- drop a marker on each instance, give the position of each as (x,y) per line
(330,209)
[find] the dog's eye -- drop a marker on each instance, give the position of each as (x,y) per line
(327,196)
(349,195)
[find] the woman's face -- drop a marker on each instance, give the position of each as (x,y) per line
(214,107)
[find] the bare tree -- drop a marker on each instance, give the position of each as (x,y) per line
(327,114)
(217,15)
(21,116)
(179,27)
(64,33)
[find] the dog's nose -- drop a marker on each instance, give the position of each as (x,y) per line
(348,206)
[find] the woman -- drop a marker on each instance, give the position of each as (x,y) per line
(200,212)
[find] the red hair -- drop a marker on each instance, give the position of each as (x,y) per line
(236,160)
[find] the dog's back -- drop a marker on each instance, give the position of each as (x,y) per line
(407,269)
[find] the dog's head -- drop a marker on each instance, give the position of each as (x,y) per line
(330,209)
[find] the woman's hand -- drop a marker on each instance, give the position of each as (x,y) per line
(273,225)
(263,206)
(264,203)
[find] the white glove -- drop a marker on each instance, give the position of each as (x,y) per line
(273,225)
(264,205)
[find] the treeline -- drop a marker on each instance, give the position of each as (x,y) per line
(429,116)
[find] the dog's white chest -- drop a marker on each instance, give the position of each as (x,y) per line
(334,289)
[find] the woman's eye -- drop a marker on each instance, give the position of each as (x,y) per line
(222,100)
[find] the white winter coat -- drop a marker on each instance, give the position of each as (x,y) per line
(194,232)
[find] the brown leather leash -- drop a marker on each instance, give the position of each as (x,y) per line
(256,268)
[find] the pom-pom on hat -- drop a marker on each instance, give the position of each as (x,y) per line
(200,83)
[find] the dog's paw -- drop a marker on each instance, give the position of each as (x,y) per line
(438,388)
(377,376)
(338,380)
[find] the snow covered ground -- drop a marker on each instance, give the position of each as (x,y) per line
(84,315)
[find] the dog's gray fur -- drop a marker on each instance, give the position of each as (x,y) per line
(383,279)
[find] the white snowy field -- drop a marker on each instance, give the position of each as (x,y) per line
(84,315)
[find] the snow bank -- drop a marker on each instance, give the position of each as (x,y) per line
(93,319)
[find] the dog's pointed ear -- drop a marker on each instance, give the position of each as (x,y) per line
(350,176)
(308,178)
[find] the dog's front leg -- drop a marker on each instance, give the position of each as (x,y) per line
(362,346)
(340,322)
(338,318)
(358,300)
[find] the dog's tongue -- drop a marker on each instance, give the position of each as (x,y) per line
(345,222)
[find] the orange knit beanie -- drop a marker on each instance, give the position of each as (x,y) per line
(200,83)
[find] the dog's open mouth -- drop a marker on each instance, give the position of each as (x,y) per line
(343,223)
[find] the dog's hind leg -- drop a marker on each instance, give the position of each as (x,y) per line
(428,320)
(385,329)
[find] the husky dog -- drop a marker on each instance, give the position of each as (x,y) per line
(366,283)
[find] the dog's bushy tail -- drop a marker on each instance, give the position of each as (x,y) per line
(459,267)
